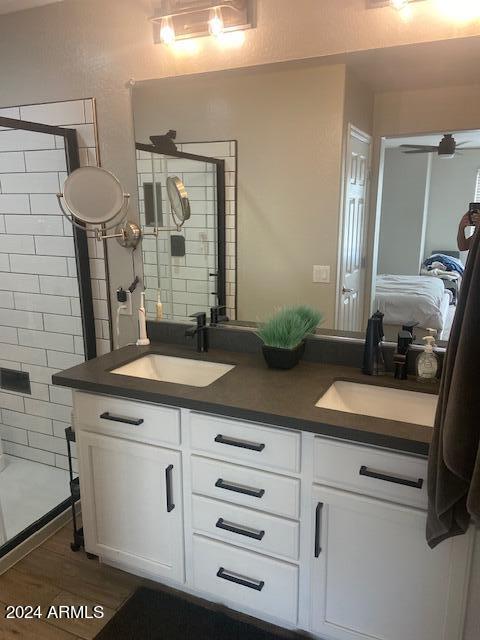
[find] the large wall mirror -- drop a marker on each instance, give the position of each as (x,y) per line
(342,183)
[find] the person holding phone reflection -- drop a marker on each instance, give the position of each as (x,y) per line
(470,219)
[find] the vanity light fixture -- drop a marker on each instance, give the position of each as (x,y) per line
(176,20)
(216,25)
(399,5)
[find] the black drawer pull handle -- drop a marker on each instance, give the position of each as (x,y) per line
(240,488)
(243,531)
(245,582)
(242,444)
(365,471)
(110,416)
(318,526)
(169,491)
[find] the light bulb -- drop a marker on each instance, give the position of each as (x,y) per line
(215,22)
(459,10)
(399,4)
(167,31)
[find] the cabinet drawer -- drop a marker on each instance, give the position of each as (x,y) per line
(247,487)
(128,418)
(387,475)
(248,443)
(247,579)
(246,527)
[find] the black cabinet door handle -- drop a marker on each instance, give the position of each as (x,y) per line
(111,416)
(318,526)
(257,585)
(239,488)
(242,531)
(243,444)
(169,491)
(365,471)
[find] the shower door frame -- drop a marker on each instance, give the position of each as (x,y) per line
(79,235)
(72,157)
(221,206)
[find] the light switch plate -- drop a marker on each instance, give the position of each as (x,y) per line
(321,273)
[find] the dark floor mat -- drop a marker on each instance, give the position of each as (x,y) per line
(168,615)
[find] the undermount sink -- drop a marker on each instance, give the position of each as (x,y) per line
(381,402)
(194,373)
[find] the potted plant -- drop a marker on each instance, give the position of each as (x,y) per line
(283,335)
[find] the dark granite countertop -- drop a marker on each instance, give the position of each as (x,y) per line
(251,391)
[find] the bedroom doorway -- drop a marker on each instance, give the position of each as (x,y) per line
(352,267)
(426,186)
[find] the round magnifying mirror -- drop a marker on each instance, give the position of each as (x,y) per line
(93,195)
(177,194)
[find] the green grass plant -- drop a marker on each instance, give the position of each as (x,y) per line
(288,327)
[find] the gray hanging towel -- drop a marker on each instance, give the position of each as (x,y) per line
(454,460)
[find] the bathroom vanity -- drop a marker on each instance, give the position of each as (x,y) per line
(272,517)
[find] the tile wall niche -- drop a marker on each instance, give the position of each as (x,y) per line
(40,324)
(187,277)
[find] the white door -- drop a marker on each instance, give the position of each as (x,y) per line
(132,511)
(375,578)
(352,270)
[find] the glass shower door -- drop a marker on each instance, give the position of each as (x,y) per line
(43,325)
(180,265)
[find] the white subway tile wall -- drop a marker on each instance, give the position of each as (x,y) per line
(185,284)
(40,324)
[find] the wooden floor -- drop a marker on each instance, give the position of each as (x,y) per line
(53,575)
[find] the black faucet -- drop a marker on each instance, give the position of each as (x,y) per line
(404,340)
(216,317)
(373,363)
(200,330)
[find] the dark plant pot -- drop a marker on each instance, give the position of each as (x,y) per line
(278,358)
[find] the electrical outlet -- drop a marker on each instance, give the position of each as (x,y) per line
(321,273)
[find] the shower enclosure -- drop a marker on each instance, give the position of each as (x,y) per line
(184,267)
(46,322)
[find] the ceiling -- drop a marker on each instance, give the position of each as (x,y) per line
(472,138)
(426,65)
(418,66)
(10,6)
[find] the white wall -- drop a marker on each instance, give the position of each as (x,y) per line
(451,108)
(452,187)
(405,185)
(359,103)
(288,121)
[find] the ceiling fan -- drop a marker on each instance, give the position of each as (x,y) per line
(446,148)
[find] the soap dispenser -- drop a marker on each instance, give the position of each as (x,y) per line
(427,361)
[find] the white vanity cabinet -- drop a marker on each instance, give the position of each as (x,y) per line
(132,504)
(374,576)
(300,530)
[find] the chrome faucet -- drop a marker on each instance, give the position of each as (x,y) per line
(200,330)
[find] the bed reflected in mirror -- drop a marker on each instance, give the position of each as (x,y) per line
(419,264)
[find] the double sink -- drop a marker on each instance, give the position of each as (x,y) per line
(350,397)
